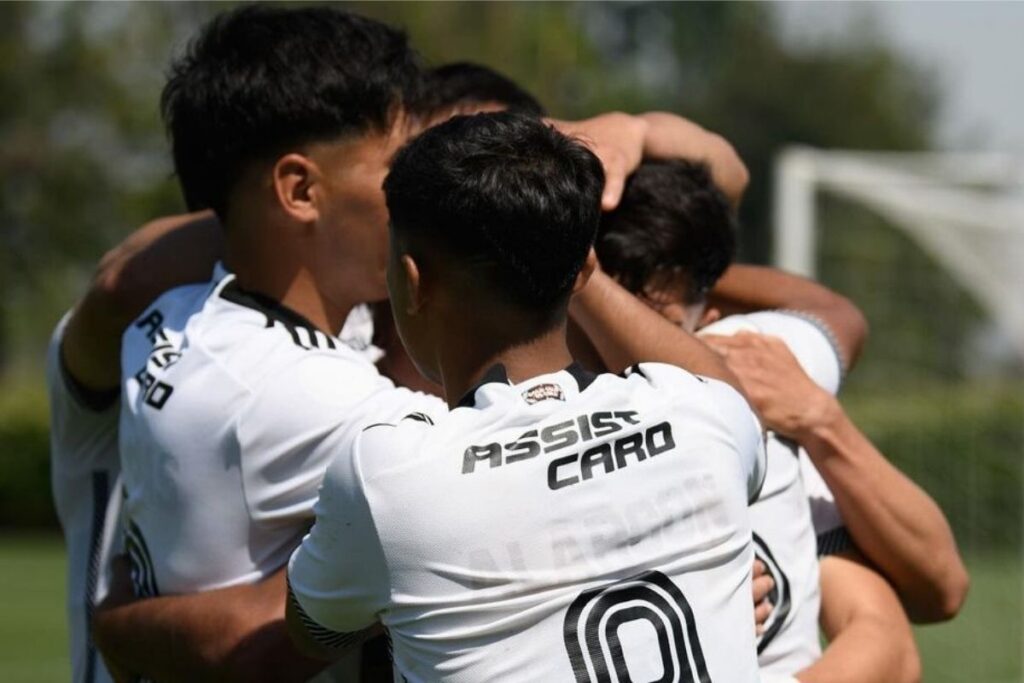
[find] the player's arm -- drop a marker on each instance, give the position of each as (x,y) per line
(338,578)
(624,332)
(670,136)
(892,521)
(870,640)
(621,141)
(160,255)
(231,634)
(746,288)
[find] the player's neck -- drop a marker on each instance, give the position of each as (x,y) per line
(462,368)
(276,274)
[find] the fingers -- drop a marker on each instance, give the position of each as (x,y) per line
(614,183)
(761,613)
(762,586)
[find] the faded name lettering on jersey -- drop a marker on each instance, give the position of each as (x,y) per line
(574,468)
(155,392)
(688,513)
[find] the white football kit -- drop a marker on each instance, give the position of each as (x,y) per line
(227,397)
(86,493)
(795,506)
(569,528)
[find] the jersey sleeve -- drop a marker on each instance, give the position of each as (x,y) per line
(729,406)
(809,339)
(828,524)
(292,426)
(82,423)
(338,577)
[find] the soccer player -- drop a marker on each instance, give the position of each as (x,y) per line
(82,374)
(605,514)
(282,121)
(664,242)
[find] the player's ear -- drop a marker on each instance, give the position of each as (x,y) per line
(711,314)
(589,266)
(415,295)
(294,177)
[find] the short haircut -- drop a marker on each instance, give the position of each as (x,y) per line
(672,220)
(466,83)
(510,200)
(261,80)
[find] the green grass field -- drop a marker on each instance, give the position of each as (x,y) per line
(984,645)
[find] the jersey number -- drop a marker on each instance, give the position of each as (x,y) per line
(595,617)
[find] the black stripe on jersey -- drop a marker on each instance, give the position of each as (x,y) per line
(584,378)
(100,499)
(779,596)
(419,417)
(634,369)
(277,313)
(332,640)
(834,541)
(495,374)
(143,574)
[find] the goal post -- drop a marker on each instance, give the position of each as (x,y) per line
(966,210)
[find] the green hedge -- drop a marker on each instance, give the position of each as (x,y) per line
(963,443)
(25,499)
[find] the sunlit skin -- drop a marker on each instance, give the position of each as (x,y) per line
(310,229)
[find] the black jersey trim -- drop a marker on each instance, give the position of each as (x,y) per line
(496,374)
(834,541)
(323,636)
(584,378)
(96,400)
(100,501)
(309,338)
(780,596)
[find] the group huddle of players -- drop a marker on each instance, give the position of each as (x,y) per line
(471,394)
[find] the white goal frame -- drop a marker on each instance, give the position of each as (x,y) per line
(981,193)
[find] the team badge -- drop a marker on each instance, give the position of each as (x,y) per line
(543,392)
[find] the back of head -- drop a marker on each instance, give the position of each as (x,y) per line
(506,203)
(461,86)
(672,220)
(260,81)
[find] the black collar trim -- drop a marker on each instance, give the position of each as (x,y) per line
(274,310)
(497,374)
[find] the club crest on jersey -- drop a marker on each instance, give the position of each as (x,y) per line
(543,392)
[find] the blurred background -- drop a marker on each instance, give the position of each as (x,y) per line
(83,160)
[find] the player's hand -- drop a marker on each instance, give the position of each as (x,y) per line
(789,401)
(618,141)
(763,584)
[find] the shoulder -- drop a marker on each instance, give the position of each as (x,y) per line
(687,386)
(808,338)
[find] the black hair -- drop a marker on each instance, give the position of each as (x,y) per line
(466,83)
(512,201)
(259,80)
(672,219)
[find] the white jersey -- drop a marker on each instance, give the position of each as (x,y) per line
(227,397)
(86,492)
(785,526)
(553,530)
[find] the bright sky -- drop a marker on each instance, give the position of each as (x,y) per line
(976,47)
